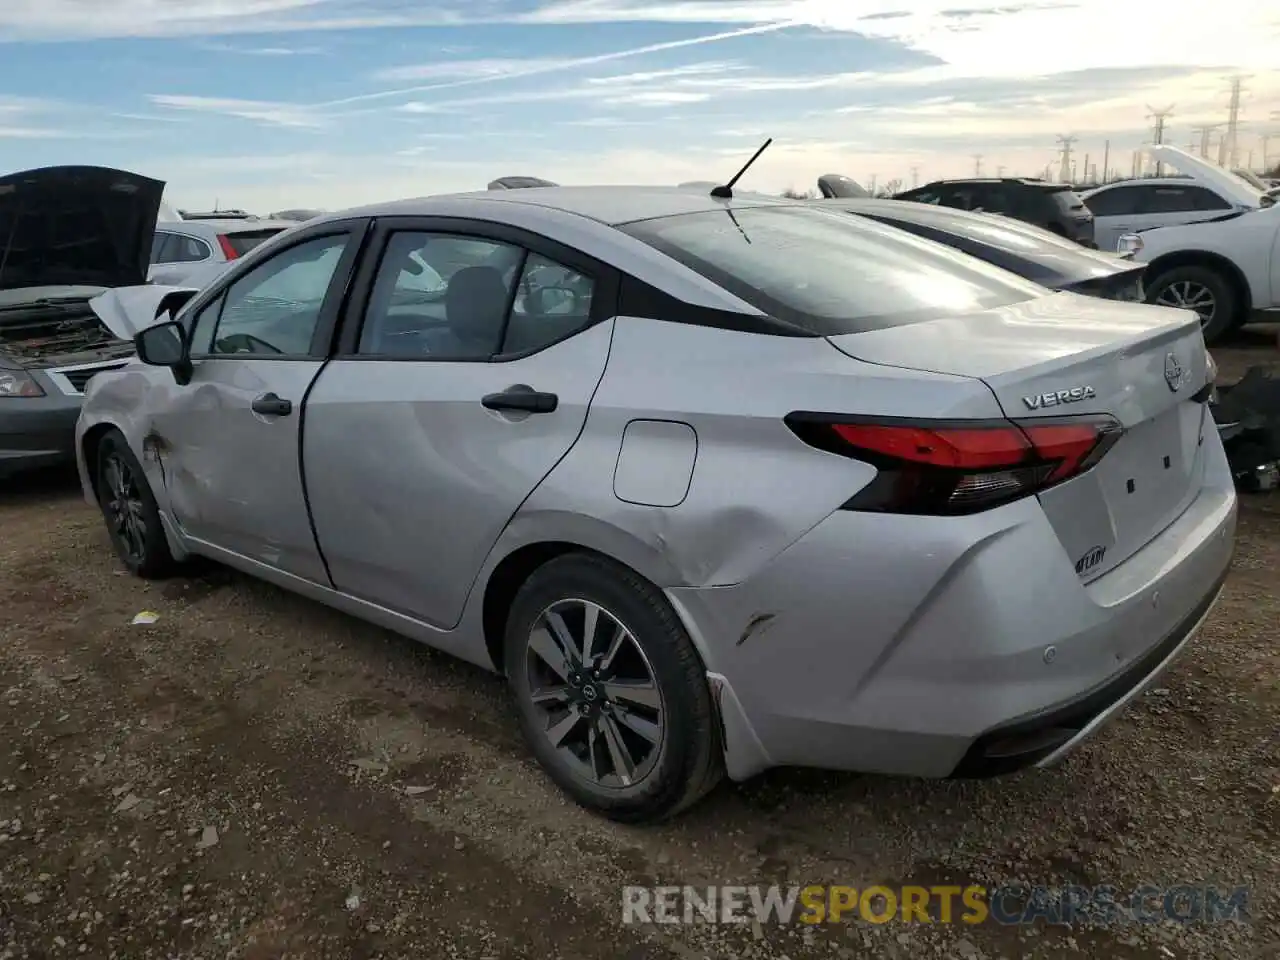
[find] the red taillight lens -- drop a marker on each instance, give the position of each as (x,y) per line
(958,467)
(228,250)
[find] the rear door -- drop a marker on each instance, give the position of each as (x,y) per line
(449,402)
(1116,211)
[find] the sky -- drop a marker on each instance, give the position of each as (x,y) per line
(269,104)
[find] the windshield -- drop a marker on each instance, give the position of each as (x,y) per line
(828,273)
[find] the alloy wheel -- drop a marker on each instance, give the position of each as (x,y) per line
(595,693)
(124,507)
(1189,295)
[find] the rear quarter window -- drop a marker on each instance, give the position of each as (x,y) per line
(828,273)
(1068,201)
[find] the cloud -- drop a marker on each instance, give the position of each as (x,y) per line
(544,68)
(481,69)
(277,51)
(260,111)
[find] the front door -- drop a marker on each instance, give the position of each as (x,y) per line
(454,398)
(229,441)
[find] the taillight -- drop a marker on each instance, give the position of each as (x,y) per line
(228,250)
(958,467)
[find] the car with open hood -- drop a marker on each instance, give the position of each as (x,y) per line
(67,234)
(1226,269)
(1204,191)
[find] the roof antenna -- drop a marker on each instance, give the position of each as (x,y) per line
(726,192)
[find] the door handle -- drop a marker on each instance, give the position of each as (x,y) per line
(521,398)
(269,405)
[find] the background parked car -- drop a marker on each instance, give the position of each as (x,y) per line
(1031,252)
(1055,206)
(1226,269)
(51,342)
(1205,192)
(179,248)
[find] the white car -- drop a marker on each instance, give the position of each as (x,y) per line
(1226,270)
(1206,191)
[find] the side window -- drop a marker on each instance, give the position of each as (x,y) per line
(552,302)
(1206,199)
(1116,202)
(440,297)
(157,246)
(183,249)
(202,324)
(1170,200)
(923,196)
(274,308)
(996,199)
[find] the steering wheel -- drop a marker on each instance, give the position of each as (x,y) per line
(232,344)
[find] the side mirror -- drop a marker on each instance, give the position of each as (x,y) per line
(165,345)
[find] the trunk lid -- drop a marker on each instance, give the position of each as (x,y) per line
(82,226)
(1065,355)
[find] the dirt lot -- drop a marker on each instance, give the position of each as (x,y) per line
(255,776)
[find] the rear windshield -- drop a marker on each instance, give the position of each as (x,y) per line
(829,273)
(243,242)
(1067,200)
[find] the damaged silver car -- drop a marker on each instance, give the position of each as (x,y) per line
(67,234)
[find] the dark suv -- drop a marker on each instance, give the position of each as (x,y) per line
(1054,206)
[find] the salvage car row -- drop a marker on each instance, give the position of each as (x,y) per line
(710,499)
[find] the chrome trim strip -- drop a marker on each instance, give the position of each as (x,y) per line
(59,374)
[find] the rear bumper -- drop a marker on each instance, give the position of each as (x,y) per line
(954,646)
(37,432)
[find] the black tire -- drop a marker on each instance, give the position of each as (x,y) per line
(688,762)
(145,551)
(1163,289)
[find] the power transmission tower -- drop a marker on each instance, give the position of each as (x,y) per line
(873,184)
(1064,171)
(915,177)
(1000,171)
(1266,155)
(1106,161)
(1230,147)
(1206,131)
(1158,118)
(977,164)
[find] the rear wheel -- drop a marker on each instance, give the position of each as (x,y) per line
(612,695)
(130,510)
(1202,289)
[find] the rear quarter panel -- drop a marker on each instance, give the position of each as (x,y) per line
(755,487)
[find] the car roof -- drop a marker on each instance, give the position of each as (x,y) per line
(1144,182)
(210,227)
(1032,182)
(611,205)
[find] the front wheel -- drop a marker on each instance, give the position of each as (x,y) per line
(612,695)
(1202,289)
(130,510)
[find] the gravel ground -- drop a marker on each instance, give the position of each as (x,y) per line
(256,776)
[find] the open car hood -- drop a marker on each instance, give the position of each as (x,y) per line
(79,226)
(1233,189)
(127,310)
